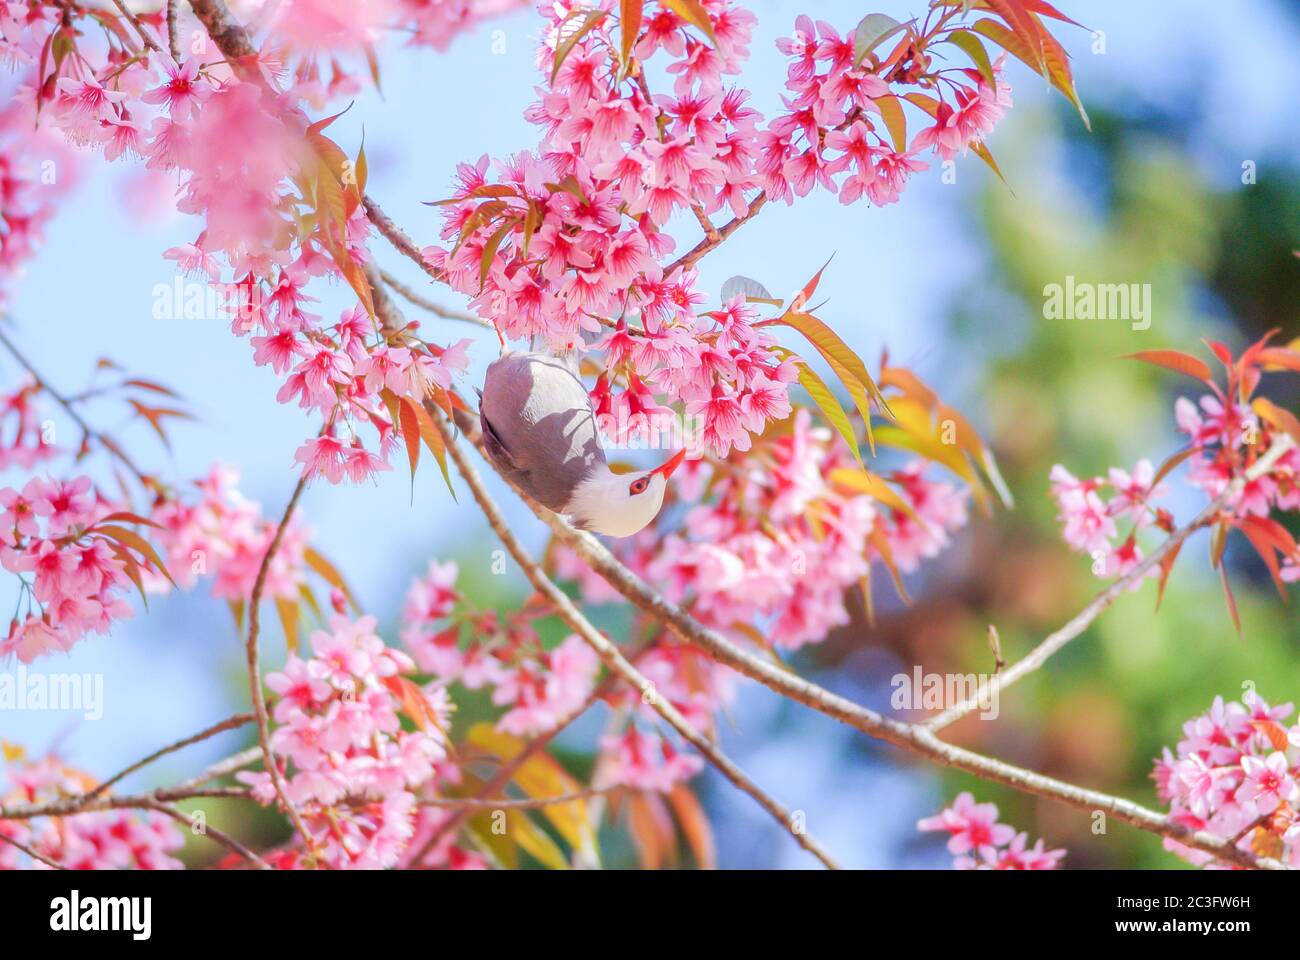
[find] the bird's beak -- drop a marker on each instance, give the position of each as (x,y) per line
(671,464)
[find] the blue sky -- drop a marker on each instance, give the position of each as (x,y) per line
(89,294)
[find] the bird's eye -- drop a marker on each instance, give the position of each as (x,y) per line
(639,485)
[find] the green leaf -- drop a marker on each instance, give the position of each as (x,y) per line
(872,30)
(829,406)
(973,47)
(569,35)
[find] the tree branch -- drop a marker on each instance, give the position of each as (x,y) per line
(911,737)
(207,830)
(230,723)
(255,673)
(610,654)
(1084,618)
(147,40)
(424,303)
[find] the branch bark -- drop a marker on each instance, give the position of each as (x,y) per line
(1084,618)
(610,654)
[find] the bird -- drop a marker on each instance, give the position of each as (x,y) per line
(539,429)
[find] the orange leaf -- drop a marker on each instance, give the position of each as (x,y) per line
(1174,360)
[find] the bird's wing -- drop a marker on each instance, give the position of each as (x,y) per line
(538,425)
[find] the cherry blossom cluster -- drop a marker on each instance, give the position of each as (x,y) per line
(1228,429)
(219,533)
(273,215)
(780,546)
(832,132)
(541,688)
(978,842)
(1235,775)
(569,240)
(24,443)
(73,577)
(34,173)
(98,840)
(1106,529)
(348,765)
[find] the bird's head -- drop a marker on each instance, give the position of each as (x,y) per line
(621,504)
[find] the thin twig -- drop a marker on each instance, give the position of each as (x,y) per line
(147,40)
(255,672)
(85,803)
(398,237)
(1084,618)
(223,768)
(424,303)
(230,723)
(52,864)
(67,404)
(173,39)
(207,830)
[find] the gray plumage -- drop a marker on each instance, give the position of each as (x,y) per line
(538,426)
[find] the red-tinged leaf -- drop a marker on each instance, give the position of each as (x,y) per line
(288,612)
(362,169)
(878,540)
(1231,601)
(1044,9)
(1271,532)
(532,220)
(1171,464)
(414,703)
(1166,567)
(154,387)
(1218,543)
(124,516)
(803,296)
(132,570)
(871,31)
(237,614)
(630,26)
(411,434)
(490,250)
(433,440)
(695,825)
(693,12)
(1057,62)
(1280,358)
(372,61)
(863,482)
(1175,360)
(1220,351)
(570,33)
(891,108)
(1277,417)
(650,829)
(330,574)
(973,47)
(1274,731)
(1266,550)
(1025,28)
(137,543)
